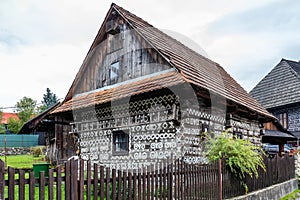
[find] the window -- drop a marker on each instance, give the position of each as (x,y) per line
(237,134)
(283,119)
(120,143)
(114,72)
(205,128)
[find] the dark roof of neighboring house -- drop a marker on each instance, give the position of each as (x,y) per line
(273,133)
(190,66)
(295,65)
(6,116)
(281,86)
(296,134)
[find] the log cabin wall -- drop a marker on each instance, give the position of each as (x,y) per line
(62,145)
(150,130)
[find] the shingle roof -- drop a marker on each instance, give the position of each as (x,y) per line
(193,67)
(294,65)
(273,133)
(281,86)
(32,124)
(148,84)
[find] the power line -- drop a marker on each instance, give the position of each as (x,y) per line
(12,107)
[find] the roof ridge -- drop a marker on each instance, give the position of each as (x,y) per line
(292,67)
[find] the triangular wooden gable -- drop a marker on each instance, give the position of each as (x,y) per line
(118,54)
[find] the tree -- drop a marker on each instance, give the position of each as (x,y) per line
(14,125)
(2,128)
(49,99)
(26,109)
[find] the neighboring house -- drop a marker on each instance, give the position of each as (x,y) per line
(141,97)
(39,125)
(279,93)
(5,118)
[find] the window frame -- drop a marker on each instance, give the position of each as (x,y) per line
(124,141)
(238,135)
(112,81)
(283,120)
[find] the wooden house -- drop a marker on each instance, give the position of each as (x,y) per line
(141,96)
(279,93)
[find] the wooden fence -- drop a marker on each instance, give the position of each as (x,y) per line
(79,180)
(278,170)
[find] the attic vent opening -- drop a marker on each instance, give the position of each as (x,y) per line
(112,27)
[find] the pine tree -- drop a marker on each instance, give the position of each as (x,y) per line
(49,99)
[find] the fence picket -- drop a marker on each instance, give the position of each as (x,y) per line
(156,181)
(107,183)
(130,185)
(21,184)
(11,183)
(144,188)
(95,181)
(152,182)
(160,191)
(50,184)
(67,181)
(74,178)
(124,185)
(101,183)
(88,178)
(134,186)
(59,181)
(31,186)
(114,185)
(42,185)
(2,179)
(81,179)
(148,185)
(139,186)
(119,184)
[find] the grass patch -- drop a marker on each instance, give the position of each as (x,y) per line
(22,161)
(291,196)
(36,192)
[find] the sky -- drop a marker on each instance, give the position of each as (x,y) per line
(43,43)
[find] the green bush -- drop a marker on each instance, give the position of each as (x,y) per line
(242,156)
(36,151)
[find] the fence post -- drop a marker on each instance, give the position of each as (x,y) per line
(74,179)
(220,178)
(2,181)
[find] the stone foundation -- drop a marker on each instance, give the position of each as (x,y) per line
(15,151)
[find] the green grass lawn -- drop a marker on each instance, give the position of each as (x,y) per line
(22,161)
(36,192)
